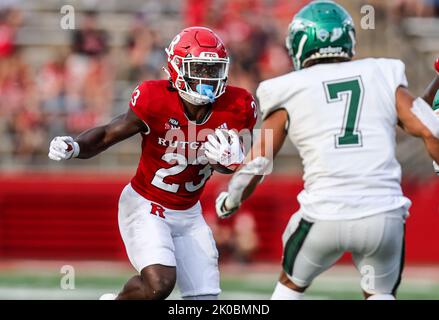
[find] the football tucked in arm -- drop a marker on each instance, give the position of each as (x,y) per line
(221,169)
(224,151)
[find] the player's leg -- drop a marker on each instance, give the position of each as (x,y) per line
(287,290)
(379,254)
(309,249)
(197,259)
(148,241)
(155,282)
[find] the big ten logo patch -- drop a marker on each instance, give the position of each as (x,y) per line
(172,124)
(157,210)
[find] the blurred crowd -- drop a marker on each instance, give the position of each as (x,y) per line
(75,89)
(409,8)
(236,238)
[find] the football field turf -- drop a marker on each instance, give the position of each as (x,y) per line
(34,280)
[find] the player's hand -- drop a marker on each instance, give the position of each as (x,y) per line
(436,167)
(436,108)
(226,152)
(222,206)
(63,148)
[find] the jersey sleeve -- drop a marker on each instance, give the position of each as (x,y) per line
(252,112)
(273,94)
(394,73)
(139,101)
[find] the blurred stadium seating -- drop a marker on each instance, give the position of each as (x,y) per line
(49,87)
(51,83)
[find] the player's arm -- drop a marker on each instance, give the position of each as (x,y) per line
(433,88)
(260,157)
(95,140)
(418,119)
(225,149)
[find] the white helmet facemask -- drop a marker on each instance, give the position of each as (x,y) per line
(201,80)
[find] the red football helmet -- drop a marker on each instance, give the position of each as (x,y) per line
(198,65)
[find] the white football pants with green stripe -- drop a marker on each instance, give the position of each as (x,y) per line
(376,243)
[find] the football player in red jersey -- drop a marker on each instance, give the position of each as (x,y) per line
(187,123)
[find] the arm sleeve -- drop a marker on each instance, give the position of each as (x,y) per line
(139,101)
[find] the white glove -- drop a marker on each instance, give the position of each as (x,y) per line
(63,148)
(436,167)
(218,149)
(223,201)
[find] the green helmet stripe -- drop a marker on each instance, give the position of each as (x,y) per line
(354,41)
(301,46)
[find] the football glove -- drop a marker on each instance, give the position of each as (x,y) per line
(222,201)
(435,107)
(226,152)
(436,167)
(63,148)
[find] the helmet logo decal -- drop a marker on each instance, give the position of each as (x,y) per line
(337,33)
(330,50)
(173,43)
(323,35)
(208,55)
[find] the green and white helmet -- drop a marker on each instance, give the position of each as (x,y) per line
(322,29)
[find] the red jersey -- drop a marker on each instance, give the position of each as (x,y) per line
(173,169)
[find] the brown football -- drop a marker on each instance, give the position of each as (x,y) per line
(221,169)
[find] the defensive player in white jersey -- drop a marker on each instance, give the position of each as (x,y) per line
(342,117)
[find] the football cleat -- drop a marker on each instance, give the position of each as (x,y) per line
(108,296)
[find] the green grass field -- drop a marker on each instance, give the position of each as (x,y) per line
(42,280)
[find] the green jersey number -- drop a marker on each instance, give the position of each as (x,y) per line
(351,91)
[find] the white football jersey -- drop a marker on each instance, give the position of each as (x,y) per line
(342,119)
